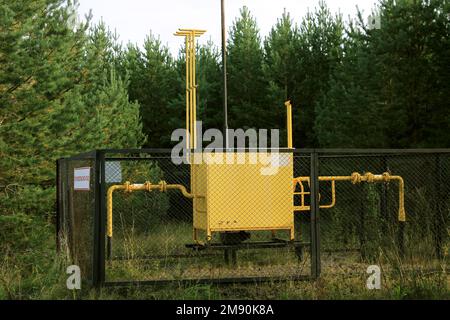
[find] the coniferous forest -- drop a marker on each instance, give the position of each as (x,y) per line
(68,86)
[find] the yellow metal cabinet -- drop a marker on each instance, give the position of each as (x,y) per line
(245,191)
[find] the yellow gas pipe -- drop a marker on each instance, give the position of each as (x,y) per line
(162,186)
(191,85)
(289,123)
(355,178)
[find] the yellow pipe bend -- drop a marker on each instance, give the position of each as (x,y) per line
(356,178)
(333,197)
(182,188)
(109,207)
(385,177)
(401,200)
(162,186)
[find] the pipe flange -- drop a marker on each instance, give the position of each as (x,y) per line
(356,178)
(163,186)
(370,177)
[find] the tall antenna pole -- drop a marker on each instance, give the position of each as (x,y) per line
(224,67)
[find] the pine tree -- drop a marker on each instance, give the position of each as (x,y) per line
(209,78)
(348,115)
(105,95)
(40,64)
(153,83)
(390,90)
(246,82)
(319,51)
(58,91)
(280,57)
(411,49)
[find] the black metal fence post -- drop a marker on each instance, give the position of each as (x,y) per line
(102,214)
(58,204)
(315,227)
(98,277)
(68,210)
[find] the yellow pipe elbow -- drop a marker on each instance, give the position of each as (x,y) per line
(109,204)
(162,186)
(333,197)
(182,188)
(401,198)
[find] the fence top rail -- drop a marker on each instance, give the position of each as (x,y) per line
(382,151)
(322,152)
(303,150)
(169,151)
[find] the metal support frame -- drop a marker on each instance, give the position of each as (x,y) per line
(276,243)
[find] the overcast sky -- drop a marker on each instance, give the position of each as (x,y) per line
(133,19)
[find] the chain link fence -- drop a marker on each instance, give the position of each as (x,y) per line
(363,227)
(240,222)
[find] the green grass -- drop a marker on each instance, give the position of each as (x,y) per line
(335,287)
(50,284)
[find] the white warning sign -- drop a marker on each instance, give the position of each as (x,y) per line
(81,178)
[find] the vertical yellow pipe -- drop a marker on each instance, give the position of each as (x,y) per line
(401,200)
(191,85)
(187,97)
(191,97)
(190,89)
(194,83)
(289,123)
